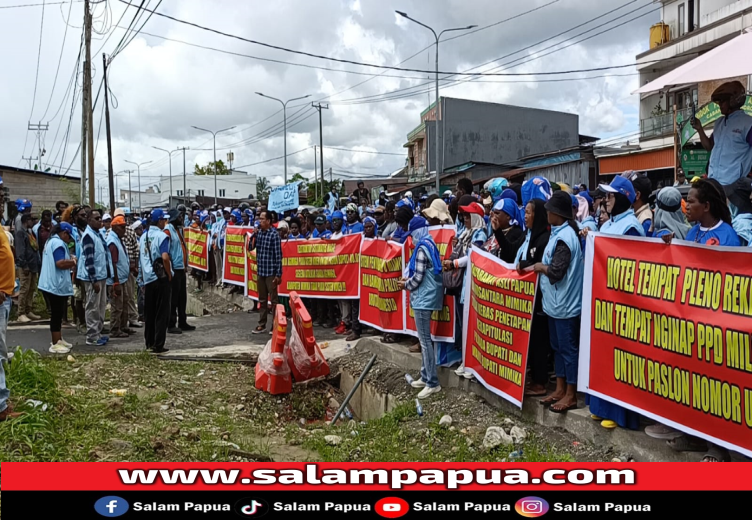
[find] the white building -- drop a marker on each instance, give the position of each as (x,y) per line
(238,186)
(690,28)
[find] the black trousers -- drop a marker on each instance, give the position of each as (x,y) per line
(178,300)
(58,306)
(540,344)
(157,313)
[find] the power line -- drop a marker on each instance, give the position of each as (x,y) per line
(363,151)
(59,61)
(38,5)
(36,77)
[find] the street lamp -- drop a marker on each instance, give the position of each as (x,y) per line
(214,136)
(169,153)
(284,113)
(139,180)
(437,36)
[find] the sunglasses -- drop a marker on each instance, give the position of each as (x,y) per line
(723,98)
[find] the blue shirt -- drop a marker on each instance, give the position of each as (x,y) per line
(325,234)
(719,235)
(351,229)
(731,157)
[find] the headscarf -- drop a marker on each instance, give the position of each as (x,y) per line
(509,207)
(509,193)
(466,238)
(583,208)
(375,225)
(535,188)
(668,213)
(540,226)
(418,230)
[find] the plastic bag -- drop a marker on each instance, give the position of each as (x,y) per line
(273,372)
(307,365)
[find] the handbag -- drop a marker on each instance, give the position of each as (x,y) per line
(156,265)
(453,278)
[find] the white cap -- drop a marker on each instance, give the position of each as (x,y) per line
(106,216)
(137,224)
(448,193)
(409,194)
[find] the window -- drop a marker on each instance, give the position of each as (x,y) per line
(200,193)
(180,193)
(221,193)
(682,20)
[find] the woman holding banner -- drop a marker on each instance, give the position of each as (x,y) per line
(561,272)
(529,254)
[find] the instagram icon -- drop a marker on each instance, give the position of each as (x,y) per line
(531,507)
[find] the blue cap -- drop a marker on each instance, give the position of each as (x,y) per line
(338,214)
(237,214)
(22,204)
(621,185)
(64,226)
(585,195)
(158,214)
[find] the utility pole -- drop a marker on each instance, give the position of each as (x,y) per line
(284,116)
(87,104)
(110,175)
(39,128)
(319,106)
(185,192)
(214,136)
(230,159)
(315,173)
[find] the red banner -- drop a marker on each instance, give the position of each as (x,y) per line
(442,322)
(499,305)
(382,303)
(321,268)
(666,333)
(251,270)
(233,264)
(197,244)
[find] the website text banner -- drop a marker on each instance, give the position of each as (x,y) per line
(382,303)
(233,264)
(442,322)
(321,268)
(666,333)
(373,476)
(251,270)
(197,244)
(499,305)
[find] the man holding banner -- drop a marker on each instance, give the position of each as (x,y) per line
(268,247)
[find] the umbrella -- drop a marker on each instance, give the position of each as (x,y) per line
(725,61)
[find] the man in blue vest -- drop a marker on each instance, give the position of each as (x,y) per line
(94,269)
(154,249)
(179,296)
(730,146)
(117,282)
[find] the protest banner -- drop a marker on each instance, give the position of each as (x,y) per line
(284,198)
(234,256)
(499,305)
(251,270)
(382,303)
(197,244)
(443,321)
(666,333)
(321,268)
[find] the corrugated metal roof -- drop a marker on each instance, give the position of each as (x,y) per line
(639,161)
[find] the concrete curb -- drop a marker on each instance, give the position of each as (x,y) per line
(577,422)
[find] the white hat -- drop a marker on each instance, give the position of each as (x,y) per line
(448,193)
(106,216)
(137,224)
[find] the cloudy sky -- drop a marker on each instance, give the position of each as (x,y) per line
(161,87)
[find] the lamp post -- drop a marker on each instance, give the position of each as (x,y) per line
(169,153)
(138,166)
(214,136)
(437,36)
(284,115)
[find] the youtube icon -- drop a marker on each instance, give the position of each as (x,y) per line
(392,507)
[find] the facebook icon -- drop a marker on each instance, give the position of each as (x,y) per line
(111,506)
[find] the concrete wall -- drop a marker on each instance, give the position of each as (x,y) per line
(499,134)
(43,190)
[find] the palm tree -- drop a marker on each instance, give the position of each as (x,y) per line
(262,188)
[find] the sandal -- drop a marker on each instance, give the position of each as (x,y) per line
(563,409)
(716,454)
(259,330)
(687,443)
(530,393)
(548,401)
(389,339)
(352,337)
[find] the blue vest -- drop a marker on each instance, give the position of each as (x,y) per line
(429,296)
(156,236)
(620,224)
(522,251)
(563,300)
(731,157)
(176,248)
(102,259)
(124,264)
(53,280)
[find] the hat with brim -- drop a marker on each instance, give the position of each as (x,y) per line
(320,220)
(118,221)
(438,210)
(620,185)
(560,204)
(67,228)
(474,208)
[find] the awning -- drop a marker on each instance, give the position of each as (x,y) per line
(642,160)
(729,60)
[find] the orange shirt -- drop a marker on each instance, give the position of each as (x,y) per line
(7,265)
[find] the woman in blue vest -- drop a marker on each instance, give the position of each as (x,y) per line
(426,295)
(561,274)
(620,195)
(56,282)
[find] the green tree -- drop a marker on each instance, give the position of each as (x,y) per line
(209,169)
(303,181)
(263,188)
